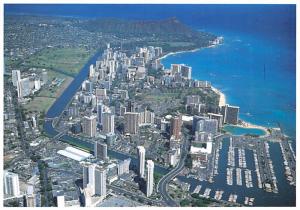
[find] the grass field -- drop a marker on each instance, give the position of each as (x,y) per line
(66,60)
(55,91)
(60,63)
(40,104)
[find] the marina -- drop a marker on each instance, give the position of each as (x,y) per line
(289,161)
(271,173)
(231,161)
(197,189)
(249,201)
(242,158)
(219,194)
(239,176)
(248,178)
(229,177)
(207,193)
(259,183)
(232,198)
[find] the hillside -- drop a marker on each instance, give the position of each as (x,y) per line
(168,33)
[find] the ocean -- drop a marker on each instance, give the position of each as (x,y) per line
(255,67)
(257,73)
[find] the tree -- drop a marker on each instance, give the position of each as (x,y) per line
(185,202)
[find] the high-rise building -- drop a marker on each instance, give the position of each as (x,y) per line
(100,109)
(175,129)
(91,179)
(158,51)
(230,114)
(16,76)
(141,157)
(37,84)
(33,121)
(131,106)
(186,71)
(23,87)
(91,71)
(100,181)
(207,125)
(108,123)
(60,201)
(101,93)
(44,77)
(85,173)
(196,119)
(150,172)
(11,184)
(175,68)
(146,117)
(100,150)
(218,117)
(131,122)
(123,166)
(89,125)
(30,197)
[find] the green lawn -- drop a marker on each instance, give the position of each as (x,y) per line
(40,104)
(65,60)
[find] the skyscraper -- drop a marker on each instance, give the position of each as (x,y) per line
(123,166)
(100,181)
(91,71)
(60,201)
(230,114)
(89,125)
(23,87)
(16,76)
(85,173)
(100,150)
(100,107)
(218,117)
(131,122)
(150,172)
(207,125)
(30,197)
(11,184)
(108,123)
(141,157)
(91,180)
(175,129)
(186,71)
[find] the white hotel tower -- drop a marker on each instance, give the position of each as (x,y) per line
(141,155)
(150,167)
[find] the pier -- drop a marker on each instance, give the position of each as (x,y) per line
(229,177)
(232,198)
(248,178)
(231,161)
(289,158)
(239,177)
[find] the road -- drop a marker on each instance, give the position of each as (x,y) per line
(122,190)
(162,185)
(25,144)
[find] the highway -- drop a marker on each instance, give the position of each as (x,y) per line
(162,185)
(122,190)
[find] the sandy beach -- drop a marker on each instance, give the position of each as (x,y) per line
(174,53)
(222,101)
(245,124)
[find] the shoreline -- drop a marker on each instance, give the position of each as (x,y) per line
(222,101)
(179,52)
(248,125)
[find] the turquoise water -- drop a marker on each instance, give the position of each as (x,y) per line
(235,130)
(237,68)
